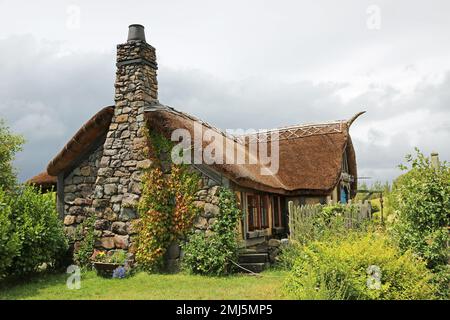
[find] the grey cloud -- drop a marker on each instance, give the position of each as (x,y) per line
(47,96)
(259,103)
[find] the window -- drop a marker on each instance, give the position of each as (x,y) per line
(258,212)
(277,212)
(252,211)
(264,211)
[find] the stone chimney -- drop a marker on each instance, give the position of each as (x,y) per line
(118,185)
(136,70)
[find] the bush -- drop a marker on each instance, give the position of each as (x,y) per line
(441,278)
(34,223)
(211,254)
(421,200)
(288,255)
(9,239)
(348,269)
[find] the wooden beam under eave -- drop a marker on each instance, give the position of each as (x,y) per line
(60,196)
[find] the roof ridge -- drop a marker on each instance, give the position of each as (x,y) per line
(303,125)
(159,106)
(287,132)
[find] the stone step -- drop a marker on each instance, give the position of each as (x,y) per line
(254,258)
(255,267)
(254,250)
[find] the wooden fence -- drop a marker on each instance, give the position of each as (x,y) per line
(298,215)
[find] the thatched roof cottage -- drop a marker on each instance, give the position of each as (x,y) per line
(100,168)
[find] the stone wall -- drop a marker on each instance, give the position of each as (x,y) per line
(79,189)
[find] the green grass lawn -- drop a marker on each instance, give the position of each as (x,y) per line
(150,286)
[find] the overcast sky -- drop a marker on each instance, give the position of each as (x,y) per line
(237,64)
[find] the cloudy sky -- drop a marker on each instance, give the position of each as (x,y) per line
(237,64)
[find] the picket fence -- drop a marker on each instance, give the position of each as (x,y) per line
(361,211)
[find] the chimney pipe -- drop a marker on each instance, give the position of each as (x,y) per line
(136,32)
(435,160)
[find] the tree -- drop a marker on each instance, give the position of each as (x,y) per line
(10,144)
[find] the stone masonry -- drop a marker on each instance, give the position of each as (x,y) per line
(118,183)
(207,200)
(78,190)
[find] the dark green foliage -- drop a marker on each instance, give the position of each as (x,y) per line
(9,239)
(421,200)
(36,232)
(211,254)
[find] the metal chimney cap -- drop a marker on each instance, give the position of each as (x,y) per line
(136,32)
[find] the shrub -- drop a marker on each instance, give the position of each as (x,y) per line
(211,254)
(34,219)
(421,200)
(9,239)
(348,269)
(441,278)
(288,255)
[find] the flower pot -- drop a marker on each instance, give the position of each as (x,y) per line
(105,269)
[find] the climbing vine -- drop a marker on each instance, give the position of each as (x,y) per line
(166,208)
(85,233)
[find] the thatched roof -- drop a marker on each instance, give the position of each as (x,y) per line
(82,141)
(310,156)
(309,163)
(43,180)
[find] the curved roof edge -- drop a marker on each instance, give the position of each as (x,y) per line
(81,141)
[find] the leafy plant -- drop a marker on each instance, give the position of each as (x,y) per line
(329,221)
(10,243)
(85,233)
(359,267)
(117,256)
(212,254)
(166,207)
(421,200)
(9,146)
(34,228)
